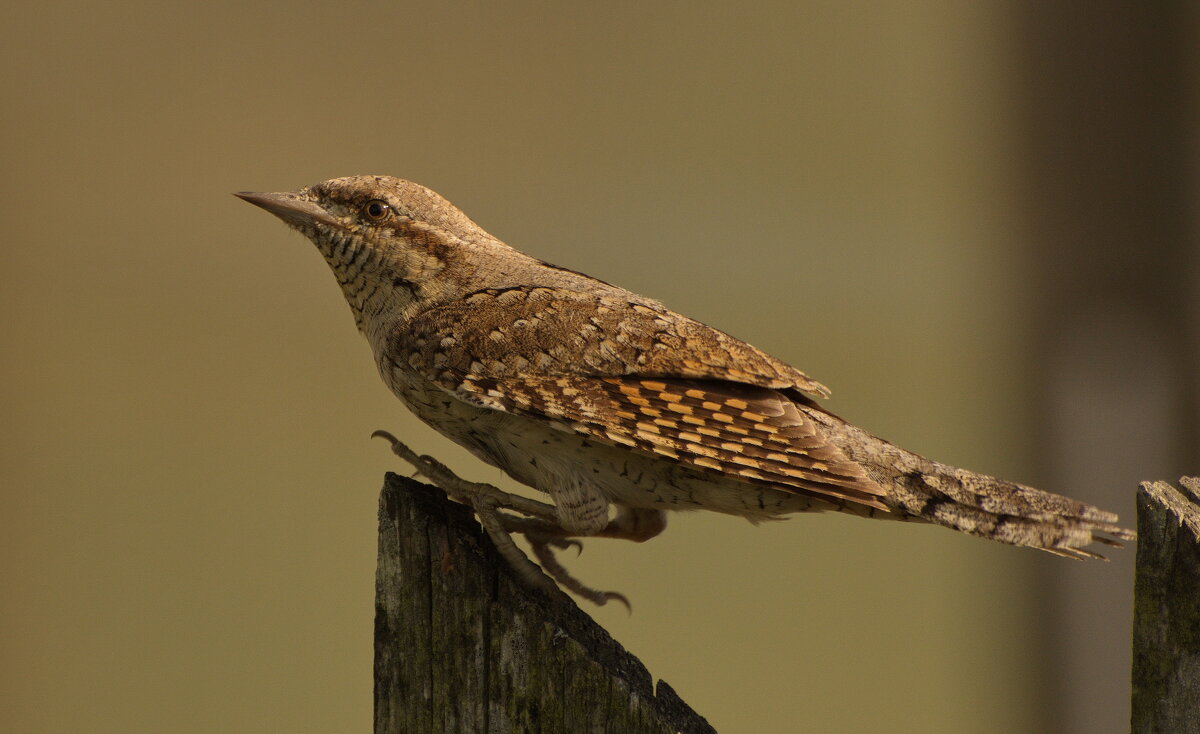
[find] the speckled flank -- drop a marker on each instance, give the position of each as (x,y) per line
(600,397)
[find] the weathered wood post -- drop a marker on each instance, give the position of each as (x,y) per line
(462,645)
(1166,612)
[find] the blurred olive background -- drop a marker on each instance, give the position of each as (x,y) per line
(974,220)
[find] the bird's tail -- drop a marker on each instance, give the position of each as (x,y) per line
(1005,511)
(977,504)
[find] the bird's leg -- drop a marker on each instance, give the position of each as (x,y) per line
(550,565)
(538,523)
(543,538)
(463,490)
(486,501)
(630,523)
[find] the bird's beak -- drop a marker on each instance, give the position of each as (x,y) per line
(291,207)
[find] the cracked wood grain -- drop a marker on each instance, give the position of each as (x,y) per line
(463,645)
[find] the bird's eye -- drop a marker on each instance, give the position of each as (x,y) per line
(376,210)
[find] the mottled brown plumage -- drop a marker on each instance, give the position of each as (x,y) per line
(602,398)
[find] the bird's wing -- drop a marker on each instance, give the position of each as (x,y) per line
(553,331)
(631,373)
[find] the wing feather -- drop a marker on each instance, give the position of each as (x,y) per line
(741,432)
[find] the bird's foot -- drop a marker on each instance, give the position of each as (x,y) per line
(537,521)
(544,537)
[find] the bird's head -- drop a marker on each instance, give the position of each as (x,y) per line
(391,243)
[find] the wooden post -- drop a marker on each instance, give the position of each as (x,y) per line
(1166,617)
(462,645)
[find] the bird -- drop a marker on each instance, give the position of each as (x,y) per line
(615,407)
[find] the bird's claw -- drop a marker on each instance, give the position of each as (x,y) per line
(536,520)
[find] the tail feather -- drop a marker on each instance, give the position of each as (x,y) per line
(1007,512)
(977,504)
